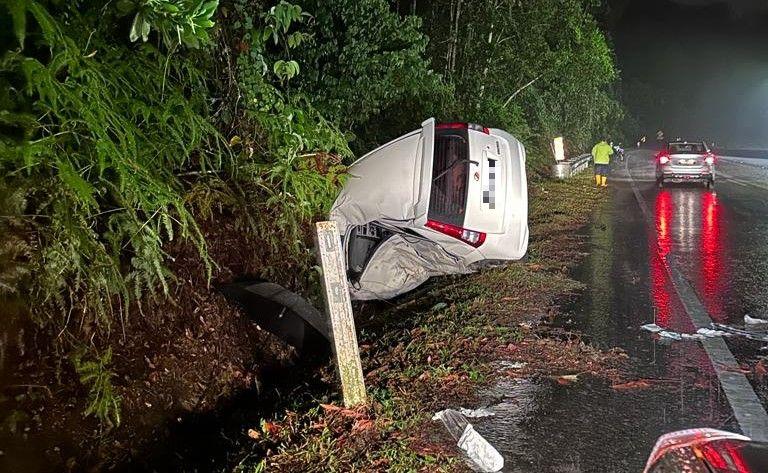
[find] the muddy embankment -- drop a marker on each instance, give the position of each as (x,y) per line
(183,367)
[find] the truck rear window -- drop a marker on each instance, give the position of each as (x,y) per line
(450,176)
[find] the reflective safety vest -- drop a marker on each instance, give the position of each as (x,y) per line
(602,153)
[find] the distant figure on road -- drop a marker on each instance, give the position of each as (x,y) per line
(601,153)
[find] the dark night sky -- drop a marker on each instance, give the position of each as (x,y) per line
(696,68)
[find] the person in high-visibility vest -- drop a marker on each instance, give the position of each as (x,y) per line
(601,154)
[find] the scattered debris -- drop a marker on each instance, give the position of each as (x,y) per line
(671,335)
(754,321)
(483,455)
(476,413)
(711,333)
(514,365)
(653,328)
(761,336)
(700,334)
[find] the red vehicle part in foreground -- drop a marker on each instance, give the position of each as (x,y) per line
(707,451)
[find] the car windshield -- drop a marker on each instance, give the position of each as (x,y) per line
(450,169)
(687,148)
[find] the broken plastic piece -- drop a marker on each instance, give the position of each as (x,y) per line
(483,455)
(476,413)
(709,333)
(671,335)
(761,336)
(652,328)
(700,334)
(754,321)
(692,336)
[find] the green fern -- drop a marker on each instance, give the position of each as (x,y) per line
(99,132)
(95,374)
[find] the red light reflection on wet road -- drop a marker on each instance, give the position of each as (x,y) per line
(659,290)
(712,284)
(692,223)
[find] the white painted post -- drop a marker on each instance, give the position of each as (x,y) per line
(339,308)
(559,148)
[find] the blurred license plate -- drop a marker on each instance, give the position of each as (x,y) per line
(687,161)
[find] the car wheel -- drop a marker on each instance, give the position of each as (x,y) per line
(710,183)
(660,182)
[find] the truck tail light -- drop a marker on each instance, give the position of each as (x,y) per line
(469,237)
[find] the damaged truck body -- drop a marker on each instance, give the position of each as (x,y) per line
(443,199)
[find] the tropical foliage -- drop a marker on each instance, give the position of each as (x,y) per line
(126,125)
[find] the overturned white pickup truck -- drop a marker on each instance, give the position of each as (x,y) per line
(443,199)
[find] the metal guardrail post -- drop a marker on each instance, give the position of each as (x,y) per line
(570,167)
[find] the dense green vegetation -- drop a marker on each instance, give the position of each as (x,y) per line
(124,126)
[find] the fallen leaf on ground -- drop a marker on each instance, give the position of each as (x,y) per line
(343,411)
(254,434)
(362,425)
(638,384)
(566,378)
(760,370)
(271,427)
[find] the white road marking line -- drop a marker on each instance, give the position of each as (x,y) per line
(741,182)
(747,408)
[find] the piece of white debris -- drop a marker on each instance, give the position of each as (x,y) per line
(754,321)
(476,413)
(692,336)
(710,333)
(652,328)
(670,335)
(482,454)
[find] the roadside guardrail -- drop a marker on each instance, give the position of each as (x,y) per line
(570,167)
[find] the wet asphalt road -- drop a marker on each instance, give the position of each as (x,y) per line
(719,241)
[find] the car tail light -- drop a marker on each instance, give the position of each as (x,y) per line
(710,159)
(470,237)
(723,456)
(663,159)
(463,126)
(717,447)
